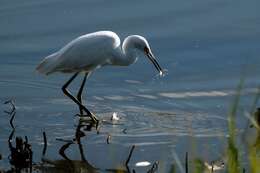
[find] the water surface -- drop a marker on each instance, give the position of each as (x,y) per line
(206,46)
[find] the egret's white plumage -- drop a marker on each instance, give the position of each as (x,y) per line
(91,51)
(94,50)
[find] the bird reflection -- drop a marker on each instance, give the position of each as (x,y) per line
(21,152)
(69,165)
(82,165)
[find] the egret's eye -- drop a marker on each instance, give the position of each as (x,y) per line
(146,50)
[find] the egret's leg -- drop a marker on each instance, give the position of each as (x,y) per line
(67,93)
(79,95)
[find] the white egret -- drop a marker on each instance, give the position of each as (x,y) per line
(91,51)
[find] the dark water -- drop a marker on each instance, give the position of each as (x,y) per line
(206,46)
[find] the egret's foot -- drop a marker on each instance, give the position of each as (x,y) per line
(86,123)
(93,119)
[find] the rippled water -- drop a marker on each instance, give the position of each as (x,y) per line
(206,46)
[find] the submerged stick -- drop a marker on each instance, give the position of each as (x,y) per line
(154,167)
(62,150)
(12,104)
(108,138)
(186,163)
(45,144)
(130,155)
(12,112)
(124,131)
(12,119)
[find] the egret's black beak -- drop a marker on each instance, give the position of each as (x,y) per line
(153,60)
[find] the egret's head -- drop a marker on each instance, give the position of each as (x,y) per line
(138,44)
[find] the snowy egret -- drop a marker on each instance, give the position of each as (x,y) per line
(91,51)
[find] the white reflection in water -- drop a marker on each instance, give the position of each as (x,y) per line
(147,96)
(118,98)
(194,94)
(63,101)
(212,93)
(133,82)
(98,98)
(143,163)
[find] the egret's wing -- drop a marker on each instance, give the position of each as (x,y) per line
(87,52)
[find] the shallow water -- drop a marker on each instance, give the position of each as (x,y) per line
(206,46)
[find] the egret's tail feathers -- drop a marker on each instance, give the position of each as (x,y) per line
(48,64)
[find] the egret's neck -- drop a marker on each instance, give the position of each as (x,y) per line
(127,54)
(130,55)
